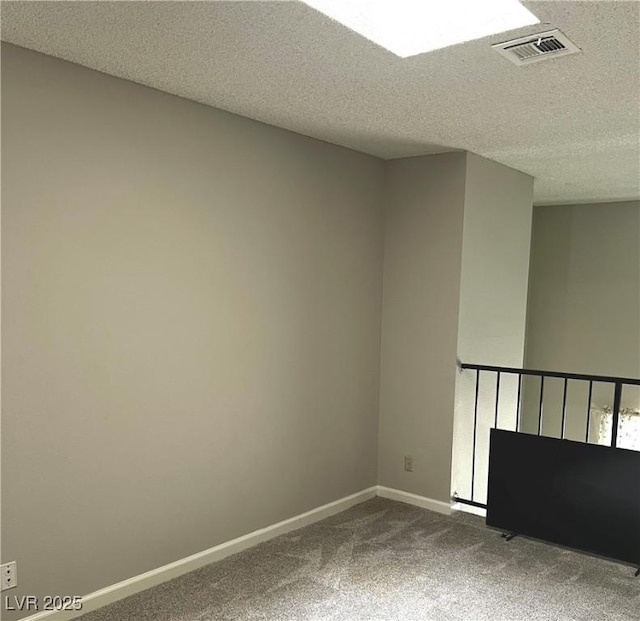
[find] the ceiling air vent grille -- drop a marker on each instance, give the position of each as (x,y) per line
(533,48)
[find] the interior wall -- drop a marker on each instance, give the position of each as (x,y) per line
(424,202)
(191,324)
(584,307)
(493,308)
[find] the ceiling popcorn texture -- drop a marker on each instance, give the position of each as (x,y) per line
(573,122)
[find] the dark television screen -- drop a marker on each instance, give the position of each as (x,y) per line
(584,496)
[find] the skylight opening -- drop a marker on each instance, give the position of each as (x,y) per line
(410,27)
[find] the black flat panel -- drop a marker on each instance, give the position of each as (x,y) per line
(584,496)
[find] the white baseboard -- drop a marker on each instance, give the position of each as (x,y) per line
(458,506)
(133,585)
(414,499)
(149,579)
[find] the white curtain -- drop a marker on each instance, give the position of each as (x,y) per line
(628,427)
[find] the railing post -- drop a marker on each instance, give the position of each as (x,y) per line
(617,398)
(564,408)
(495,424)
(518,402)
(540,408)
(586,439)
(475,433)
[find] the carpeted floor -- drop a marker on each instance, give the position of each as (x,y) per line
(387,560)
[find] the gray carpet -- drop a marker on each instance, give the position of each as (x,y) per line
(387,560)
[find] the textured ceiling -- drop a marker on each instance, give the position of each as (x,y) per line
(573,123)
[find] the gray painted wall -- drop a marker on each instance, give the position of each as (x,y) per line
(457,233)
(424,202)
(191,322)
(493,308)
(584,306)
(192,307)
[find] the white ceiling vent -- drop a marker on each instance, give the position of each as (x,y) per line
(533,48)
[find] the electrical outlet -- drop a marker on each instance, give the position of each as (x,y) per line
(408,463)
(9,575)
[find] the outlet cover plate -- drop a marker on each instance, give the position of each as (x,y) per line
(9,575)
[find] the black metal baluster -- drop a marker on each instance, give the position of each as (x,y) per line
(589,410)
(540,405)
(495,424)
(564,408)
(617,398)
(617,382)
(475,433)
(518,402)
